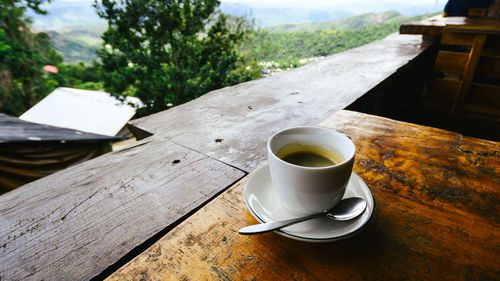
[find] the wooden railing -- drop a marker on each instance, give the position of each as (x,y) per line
(87,220)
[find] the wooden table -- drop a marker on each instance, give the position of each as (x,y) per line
(434,26)
(86,221)
(437,217)
(469,67)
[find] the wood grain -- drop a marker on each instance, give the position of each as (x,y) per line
(451,62)
(485,93)
(13,129)
(232,124)
(470,70)
(460,32)
(444,88)
(78,222)
(29,151)
(24,162)
(75,223)
(437,218)
(434,26)
(460,39)
(489,67)
(477,26)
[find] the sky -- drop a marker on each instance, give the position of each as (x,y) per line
(68,12)
(311,2)
(327,2)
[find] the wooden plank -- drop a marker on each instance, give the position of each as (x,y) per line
(428,27)
(437,218)
(486,94)
(477,12)
(492,43)
(482,108)
(444,88)
(29,151)
(451,62)
(491,54)
(13,129)
(488,68)
(434,26)
(459,39)
(483,98)
(481,26)
(470,68)
(24,162)
(75,223)
(233,123)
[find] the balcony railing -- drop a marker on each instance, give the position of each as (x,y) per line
(87,220)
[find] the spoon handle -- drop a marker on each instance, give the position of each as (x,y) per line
(270,226)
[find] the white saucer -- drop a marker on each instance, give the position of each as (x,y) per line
(265,206)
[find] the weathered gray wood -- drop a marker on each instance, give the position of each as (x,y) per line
(233,124)
(13,129)
(29,151)
(434,26)
(75,223)
(437,218)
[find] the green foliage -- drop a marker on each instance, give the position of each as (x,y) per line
(73,51)
(353,22)
(22,56)
(94,86)
(163,51)
(77,73)
(89,34)
(287,48)
(168,51)
(79,76)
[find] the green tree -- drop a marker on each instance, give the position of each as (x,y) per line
(168,51)
(22,56)
(287,48)
(79,76)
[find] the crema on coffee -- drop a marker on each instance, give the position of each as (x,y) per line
(309,155)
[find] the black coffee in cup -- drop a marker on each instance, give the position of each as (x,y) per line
(309,155)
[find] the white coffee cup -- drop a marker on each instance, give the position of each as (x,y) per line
(308,190)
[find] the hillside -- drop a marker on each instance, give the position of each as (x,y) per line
(353,22)
(77,43)
(87,34)
(285,44)
(288,48)
(62,13)
(72,50)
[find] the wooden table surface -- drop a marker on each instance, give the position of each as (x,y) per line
(88,220)
(437,217)
(434,26)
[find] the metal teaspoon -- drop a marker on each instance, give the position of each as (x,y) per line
(346,209)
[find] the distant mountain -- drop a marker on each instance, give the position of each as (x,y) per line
(89,34)
(76,29)
(353,22)
(303,12)
(62,13)
(275,15)
(72,50)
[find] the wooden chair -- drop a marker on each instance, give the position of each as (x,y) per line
(478,12)
(467,70)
